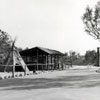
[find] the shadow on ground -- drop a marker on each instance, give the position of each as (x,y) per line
(45,83)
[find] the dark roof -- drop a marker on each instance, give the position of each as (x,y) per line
(41,50)
(49,51)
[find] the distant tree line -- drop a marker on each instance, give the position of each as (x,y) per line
(74,58)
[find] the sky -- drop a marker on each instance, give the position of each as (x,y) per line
(54,24)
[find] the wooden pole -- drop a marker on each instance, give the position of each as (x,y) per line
(51,62)
(42,63)
(58,62)
(13,67)
(25,70)
(54,63)
(37,58)
(46,62)
(98,57)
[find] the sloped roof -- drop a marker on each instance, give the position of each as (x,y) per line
(50,51)
(41,50)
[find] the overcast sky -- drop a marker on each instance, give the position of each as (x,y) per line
(54,24)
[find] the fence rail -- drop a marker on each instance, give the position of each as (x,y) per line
(32,64)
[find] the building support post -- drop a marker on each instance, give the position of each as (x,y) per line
(37,59)
(54,63)
(58,63)
(42,66)
(51,62)
(47,62)
(46,68)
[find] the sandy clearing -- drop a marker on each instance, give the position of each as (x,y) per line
(72,84)
(53,94)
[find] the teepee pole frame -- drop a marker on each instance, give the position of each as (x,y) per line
(25,70)
(13,67)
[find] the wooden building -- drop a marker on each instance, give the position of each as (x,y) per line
(39,58)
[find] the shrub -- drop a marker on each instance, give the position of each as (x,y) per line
(9,76)
(1,78)
(20,75)
(5,77)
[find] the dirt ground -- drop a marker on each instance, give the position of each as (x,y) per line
(69,84)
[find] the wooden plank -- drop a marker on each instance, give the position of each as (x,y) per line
(46,62)
(37,60)
(51,61)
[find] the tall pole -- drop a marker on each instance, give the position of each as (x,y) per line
(13,57)
(13,67)
(98,57)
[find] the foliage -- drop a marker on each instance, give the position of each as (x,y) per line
(73,58)
(5,45)
(79,60)
(91,19)
(5,41)
(19,49)
(90,57)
